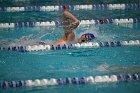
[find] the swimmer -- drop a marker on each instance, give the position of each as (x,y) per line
(70,22)
(119,69)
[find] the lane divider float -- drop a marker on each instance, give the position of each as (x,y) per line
(29,48)
(57,23)
(69,80)
(71,7)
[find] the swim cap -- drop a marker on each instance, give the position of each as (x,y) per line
(65,7)
(89,34)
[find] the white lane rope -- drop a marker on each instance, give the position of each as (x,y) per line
(57,23)
(69,80)
(71,7)
(29,48)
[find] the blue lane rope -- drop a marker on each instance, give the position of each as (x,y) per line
(30,48)
(69,80)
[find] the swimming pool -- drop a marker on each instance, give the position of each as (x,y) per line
(76,62)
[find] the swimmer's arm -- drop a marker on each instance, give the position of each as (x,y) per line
(72,17)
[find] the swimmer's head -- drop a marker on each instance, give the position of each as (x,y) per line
(65,7)
(86,37)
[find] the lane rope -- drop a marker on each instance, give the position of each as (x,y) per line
(29,48)
(57,23)
(71,7)
(69,80)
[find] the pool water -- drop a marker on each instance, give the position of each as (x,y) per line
(74,62)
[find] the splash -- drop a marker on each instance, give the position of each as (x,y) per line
(26,40)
